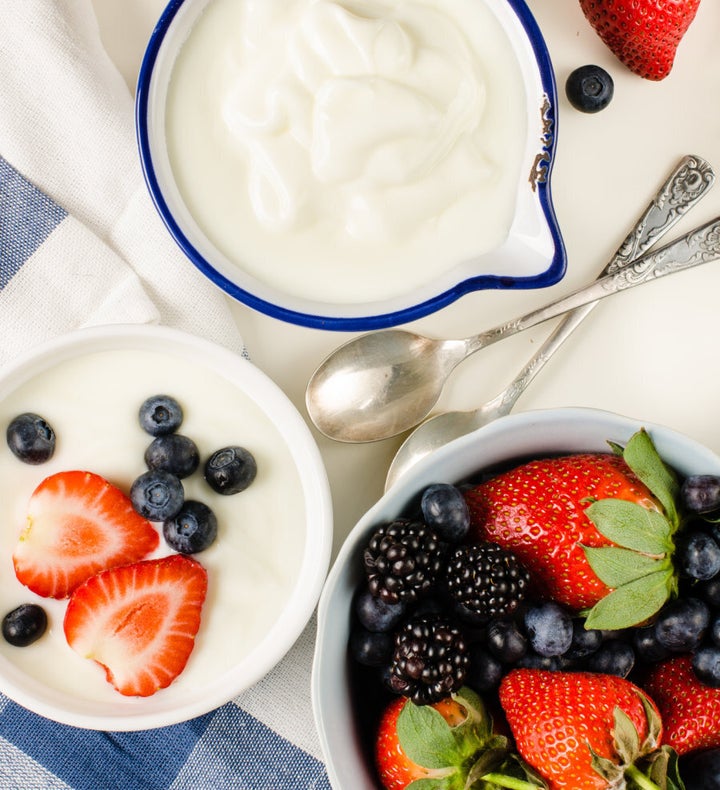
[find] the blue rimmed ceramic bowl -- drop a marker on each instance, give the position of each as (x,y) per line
(530,255)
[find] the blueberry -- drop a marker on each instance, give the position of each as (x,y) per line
(173,453)
(549,628)
(714,632)
(505,641)
(706,663)
(484,671)
(700,770)
(533,660)
(589,88)
(614,657)
(698,556)
(585,641)
(647,648)
(24,625)
(445,510)
(371,648)
(709,591)
(192,529)
(700,493)
(681,625)
(377,615)
(157,495)
(160,415)
(230,470)
(31,438)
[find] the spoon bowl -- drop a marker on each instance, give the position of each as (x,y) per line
(381,384)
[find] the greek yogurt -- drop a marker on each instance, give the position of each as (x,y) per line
(92,401)
(348,150)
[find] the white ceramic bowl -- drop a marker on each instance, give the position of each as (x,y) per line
(531,256)
(275,537)
(518,436)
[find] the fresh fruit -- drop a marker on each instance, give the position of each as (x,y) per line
(700,493)
(706,665)
(230,470)
(371,648)
(78,524)
(682,624)
(613,657)
(160,415)
(173,453)
(444,510)
(402,560)
(24,625)
(584,730)
(589,88)
(139,621)
(644,34)
(31,438)
(690,710)
(486,579)
(588,524)
(430,659)
(193,529)
(157,495)
(698,555)
(701,770)
(450,744)
(549,628)
(375,614)
(505,641)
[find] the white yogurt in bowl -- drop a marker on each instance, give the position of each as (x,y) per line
(353,163)
(267,565)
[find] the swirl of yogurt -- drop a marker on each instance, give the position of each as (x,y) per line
(334,107)
(345,135)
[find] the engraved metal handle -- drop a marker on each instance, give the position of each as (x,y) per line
(695,248)
(685,186)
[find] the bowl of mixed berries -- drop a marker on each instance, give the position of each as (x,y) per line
(537,604)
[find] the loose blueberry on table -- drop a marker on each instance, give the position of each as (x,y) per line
(576,596)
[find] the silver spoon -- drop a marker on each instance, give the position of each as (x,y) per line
(383,383)
(685,186)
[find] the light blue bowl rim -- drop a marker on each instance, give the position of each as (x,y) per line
(550,276)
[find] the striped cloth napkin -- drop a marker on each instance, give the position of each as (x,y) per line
(81,244)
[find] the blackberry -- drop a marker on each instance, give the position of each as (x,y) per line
(402,560)
(430,659)
(486,579)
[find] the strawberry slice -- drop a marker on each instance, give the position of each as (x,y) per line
(78,524)
(139,621)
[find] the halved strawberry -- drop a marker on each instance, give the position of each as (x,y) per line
(139,621)
(78,524)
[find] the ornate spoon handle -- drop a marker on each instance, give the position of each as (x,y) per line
(685,186)
(699,246)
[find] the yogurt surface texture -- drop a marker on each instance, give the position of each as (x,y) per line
(92,402)
(348,150)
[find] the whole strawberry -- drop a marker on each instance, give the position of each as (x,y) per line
(690,710)
(449,744)
(593,529)
(644,34)
(586,730)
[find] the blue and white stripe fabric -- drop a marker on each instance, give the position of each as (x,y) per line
(80,243)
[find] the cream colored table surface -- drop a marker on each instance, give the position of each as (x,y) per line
(652,353)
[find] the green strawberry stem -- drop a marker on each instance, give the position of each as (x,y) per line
(637,776)
(517,784)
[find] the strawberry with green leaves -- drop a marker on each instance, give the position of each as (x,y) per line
(643,34)
(690,710)
(595,530)
(582,730)
(449,745)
